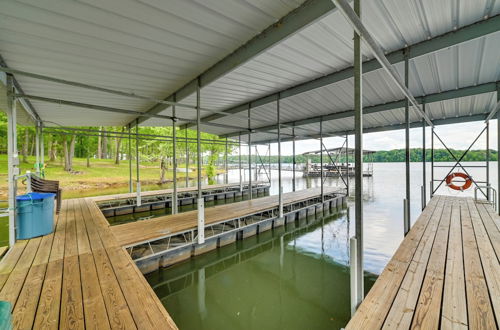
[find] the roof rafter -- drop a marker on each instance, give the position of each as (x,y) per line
(297,19)
(467,33)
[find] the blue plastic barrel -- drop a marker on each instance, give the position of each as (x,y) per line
(35,215)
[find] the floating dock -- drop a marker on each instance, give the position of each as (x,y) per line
(166,240)
(122,204)
(445,274)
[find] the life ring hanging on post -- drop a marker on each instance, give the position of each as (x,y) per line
(465,186)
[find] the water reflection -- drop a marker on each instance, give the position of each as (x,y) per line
(293,277)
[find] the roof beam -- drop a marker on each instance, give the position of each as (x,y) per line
(435,44)
(415,124)
(431,98)
(297,19)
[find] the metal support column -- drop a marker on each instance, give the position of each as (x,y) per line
(130,181)
(37,147)
(42,145)
(187,158)
(357,289)
(488,159)
(226,177)
(293,158)
(347,163)
(174,159)
(13,157)
(249,154)
(321,158)
(138,181)
(432,163)
(406,207)
(201,200)
(424,168)
(280,186)
(239,162)
(498,144)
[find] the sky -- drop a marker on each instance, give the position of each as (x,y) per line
(456,136)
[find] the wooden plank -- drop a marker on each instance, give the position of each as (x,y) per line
(81,231)
(135,293)
(47,315)
(93,302)
(71,297)
(454,313)
(118,312)
(491,222)
(489,260)
(373,310)
(26,306)
(12,288)
(403,307)
(3,250)
(10,260)
(479,309)
(71,243)
(427,313)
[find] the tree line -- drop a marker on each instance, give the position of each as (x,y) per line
(382,156)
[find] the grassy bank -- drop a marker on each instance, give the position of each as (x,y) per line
(102,177)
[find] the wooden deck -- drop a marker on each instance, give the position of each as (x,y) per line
(445,274)
(140,231)
(78,277)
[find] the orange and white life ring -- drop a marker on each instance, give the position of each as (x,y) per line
(465,186)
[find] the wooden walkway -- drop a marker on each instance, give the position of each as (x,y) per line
(445,274)
(140,231)
(78,277)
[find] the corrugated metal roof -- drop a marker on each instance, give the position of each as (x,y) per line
(152,48)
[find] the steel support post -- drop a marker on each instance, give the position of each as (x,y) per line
(37,147)
(269,161)
(498,146)
(138,180)
(174,159)
(249,153)
(239,162)
(293,158)
(13,157)
(424,168)
(432,163)
(187,158)
(130,181)
(347,163)
(321,158)
(280,186)
(488,159)
(226,176)
(357,290)
(201,200)
(407,151)
(42,145)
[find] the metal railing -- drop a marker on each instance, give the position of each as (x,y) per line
(494,195)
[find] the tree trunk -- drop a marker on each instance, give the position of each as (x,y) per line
(26,143)
(32,149)
(105,146)
(118,145)
(66,155)
(163,169)
(99,146)
(71,152)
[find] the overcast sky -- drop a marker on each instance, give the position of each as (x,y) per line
(456,136)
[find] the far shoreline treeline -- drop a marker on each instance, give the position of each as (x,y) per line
(385,156)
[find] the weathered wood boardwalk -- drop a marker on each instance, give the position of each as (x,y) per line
(78,277)
(445,274)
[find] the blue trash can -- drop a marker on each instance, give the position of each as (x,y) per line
(35,215)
